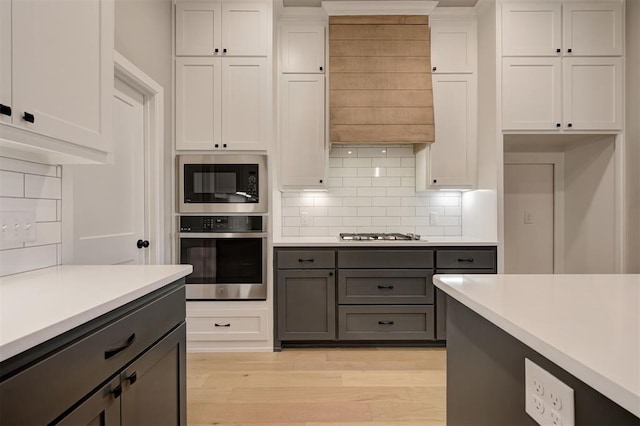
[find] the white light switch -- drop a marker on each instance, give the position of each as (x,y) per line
(528,217)
(17,227)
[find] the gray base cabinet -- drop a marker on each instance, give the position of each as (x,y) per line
(135,356)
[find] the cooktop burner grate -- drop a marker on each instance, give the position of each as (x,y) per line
(378,236)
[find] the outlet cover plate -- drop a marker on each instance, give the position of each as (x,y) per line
(548,400)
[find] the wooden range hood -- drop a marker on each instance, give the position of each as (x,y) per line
(380,79)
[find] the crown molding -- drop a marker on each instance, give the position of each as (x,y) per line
(364,7)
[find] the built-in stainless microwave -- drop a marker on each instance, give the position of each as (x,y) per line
(222,183)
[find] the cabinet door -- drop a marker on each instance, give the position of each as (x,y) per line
(302,143)
(306,304)
(244,29)
(198,103)
(63,69)
(102,408)
(302,48)
(592,29)
(452,158)
(531,29)
(593,93)
(154,386)
(453,47)
(245,121)
(5,61)
(531,93)
(198,30)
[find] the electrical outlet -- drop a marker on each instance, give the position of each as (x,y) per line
(528,218)
(305,220)
(548,400)
(433,218)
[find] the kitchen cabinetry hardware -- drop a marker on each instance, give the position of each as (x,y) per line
(434,69)
(330,274)
(558,125)
(224,50)
(321,68)
(140,244)
(224,145)
(223,325)
(320,180)
(386,322)
(112,352)
(117,391)
(27,116)
(305,260)
(469,259)
(133,377)
(216,50)
(570,125)
(558,50)
(216,145)
(386,287)
(5,110)
(435,181)
(569,50)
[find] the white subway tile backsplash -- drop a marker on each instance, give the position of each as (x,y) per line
(371,188)
(46,210)
(46,233)
(13,165)
(27,259)
(11,184)
(42,187)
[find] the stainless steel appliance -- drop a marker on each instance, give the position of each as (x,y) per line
(228,254)
(378,236)
(222,183)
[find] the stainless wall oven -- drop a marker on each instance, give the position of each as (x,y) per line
(228,254)
(222,183)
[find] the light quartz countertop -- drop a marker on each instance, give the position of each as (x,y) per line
(39,305)
(335,241)
(587,324)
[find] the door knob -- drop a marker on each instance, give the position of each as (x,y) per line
(142,244)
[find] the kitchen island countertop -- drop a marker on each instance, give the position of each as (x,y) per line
(589,325)
(425,241)
(39,305)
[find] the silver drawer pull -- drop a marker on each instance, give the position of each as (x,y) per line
(223,325)
(386,287)
(386,322)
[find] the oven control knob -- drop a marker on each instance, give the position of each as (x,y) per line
(220,291)
(252,179)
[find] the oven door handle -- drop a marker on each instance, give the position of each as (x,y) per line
(222,235)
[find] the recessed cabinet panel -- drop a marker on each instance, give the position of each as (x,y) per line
(244,29)
(593,93)
(198,103)
(592,29)
(303,152)
(5,60)
(531,93)
(198,28)
(531,29)
(453,47)
(302,48)
(244,97)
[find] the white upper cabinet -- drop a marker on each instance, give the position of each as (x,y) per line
(302,48)
(453,47)
(303,151)
(557,28)
(225,29)
(592,29)
(59,84)
(593,95)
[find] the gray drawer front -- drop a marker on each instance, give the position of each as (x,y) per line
(75,370)
(375,286)
(386,323)
(306,259)
(466,259)
(387,259)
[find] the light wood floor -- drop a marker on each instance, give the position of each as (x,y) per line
(318,387)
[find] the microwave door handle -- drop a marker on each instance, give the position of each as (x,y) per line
(223,235)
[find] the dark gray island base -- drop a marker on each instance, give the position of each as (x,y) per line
(485,378)
(125,367)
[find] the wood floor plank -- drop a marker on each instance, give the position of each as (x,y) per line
(261,379)
(408,411)
(355,365)
(320,394)
(394,378)
(428,394)
(209,395)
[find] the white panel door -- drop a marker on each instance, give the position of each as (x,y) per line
(531,93)
(198,103)
(198,29)
(244,29)
(453,47)
(531,29)
(528,218)
(63,69)
(5,60)
(245,115)
(302,48)
(452,157)
(592,29)
(302,143)
(593,97)
(109,199)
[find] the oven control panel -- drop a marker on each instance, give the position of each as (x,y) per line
(221,224)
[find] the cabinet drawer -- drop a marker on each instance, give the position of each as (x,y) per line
(396,286)
(387,259)
(73,372)
(306,259)
(227,325)
(466,259)
(386,323)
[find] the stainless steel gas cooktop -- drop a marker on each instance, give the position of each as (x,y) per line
(378,236)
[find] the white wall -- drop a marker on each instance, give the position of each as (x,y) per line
(143,36)
(32,187)
(632,133)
